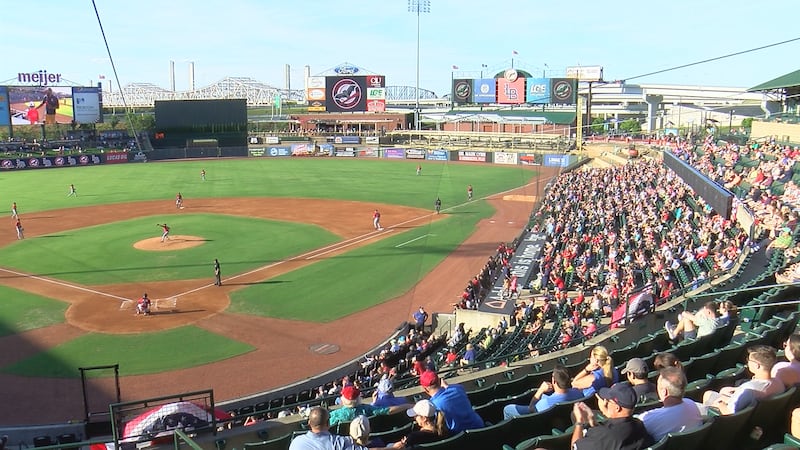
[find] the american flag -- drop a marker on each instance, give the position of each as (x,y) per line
(514,52)
(455,67)
(102,77)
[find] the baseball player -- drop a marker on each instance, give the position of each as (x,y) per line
(143,306)
(14,214)
(419,169)
(20,230)
(376,220)
(179,201)
(438,205)
(203,174)
(72,191)
(469,192)
(217,273)
(165,231)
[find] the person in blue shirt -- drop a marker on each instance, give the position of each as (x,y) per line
(599,373)
(452,400)
(557,390)
(420,316)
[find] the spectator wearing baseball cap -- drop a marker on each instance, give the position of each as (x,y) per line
(636,370)
(451,400)
(352,407)
(384,394)
(431,423)
(620,430)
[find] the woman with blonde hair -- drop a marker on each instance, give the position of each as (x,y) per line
(599,373)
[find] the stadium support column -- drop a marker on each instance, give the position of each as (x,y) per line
(653,102)
(579,124)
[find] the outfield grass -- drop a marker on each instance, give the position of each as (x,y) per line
(335,287)
(22,311)
(363,179)
(136,354)
(104,254)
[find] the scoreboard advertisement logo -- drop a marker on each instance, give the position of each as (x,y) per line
(86,104)
(562,91)
(537,91)
(462,91)
(355,93)
(484,90)
(5,114)
(510,92)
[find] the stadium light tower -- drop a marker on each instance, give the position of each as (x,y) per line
(419,7)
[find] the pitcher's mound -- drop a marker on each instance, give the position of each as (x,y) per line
(176,242)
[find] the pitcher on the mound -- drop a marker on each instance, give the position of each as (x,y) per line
(165,231)
(376,220)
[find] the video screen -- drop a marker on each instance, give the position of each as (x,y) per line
(34,105)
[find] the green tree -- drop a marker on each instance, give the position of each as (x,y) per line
(630,126)
(747,122)
(598,125)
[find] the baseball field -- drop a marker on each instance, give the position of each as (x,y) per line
(302,266)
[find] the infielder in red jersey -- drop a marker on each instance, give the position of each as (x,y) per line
(376,220)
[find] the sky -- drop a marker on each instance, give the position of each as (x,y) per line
(258,38)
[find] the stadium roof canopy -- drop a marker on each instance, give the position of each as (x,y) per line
(791,79)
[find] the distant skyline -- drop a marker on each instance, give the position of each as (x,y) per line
(252,38)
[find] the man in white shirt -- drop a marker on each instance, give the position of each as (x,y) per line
(760,360)
(678,413)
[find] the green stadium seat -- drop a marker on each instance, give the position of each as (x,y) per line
(694,439)
(725,429)
(279,443)
(456,442)
(489,437)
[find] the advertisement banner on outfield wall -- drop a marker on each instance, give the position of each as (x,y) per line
(505,158)
(415,153)
(369,152)
(50,161)
(464,155)
(372,140)
(327,149)
(272,140)
(279,151)
(530,159)
(394,153)
(437,155)
(556,160)
(302,149)
(347,151)
(484,90)
(115,157)
(347,140)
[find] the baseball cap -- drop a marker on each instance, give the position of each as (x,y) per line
(422,408)
(350,392)
(622,394)
(359,427)
(428,378)
(635,365)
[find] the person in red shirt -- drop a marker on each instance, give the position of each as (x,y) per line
(165,231)
(143,306)
(18,227)
(32,114)
(376,220)
(179,200)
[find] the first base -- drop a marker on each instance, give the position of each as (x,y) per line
(182,207)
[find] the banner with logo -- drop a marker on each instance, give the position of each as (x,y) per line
(537,91)
(563,91)
(372,140)
(348,151)
(462,91)
(471,156)
(505,158)
(511,92)
(484,90)
(415,153)
(302,149)
(346,140)
(49,161)
(327,149)
(556,160)
(86,105)
(355,93)
(369,152)
(437,155)
(5,112)
(115,157)
(530,159)
(394,153)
